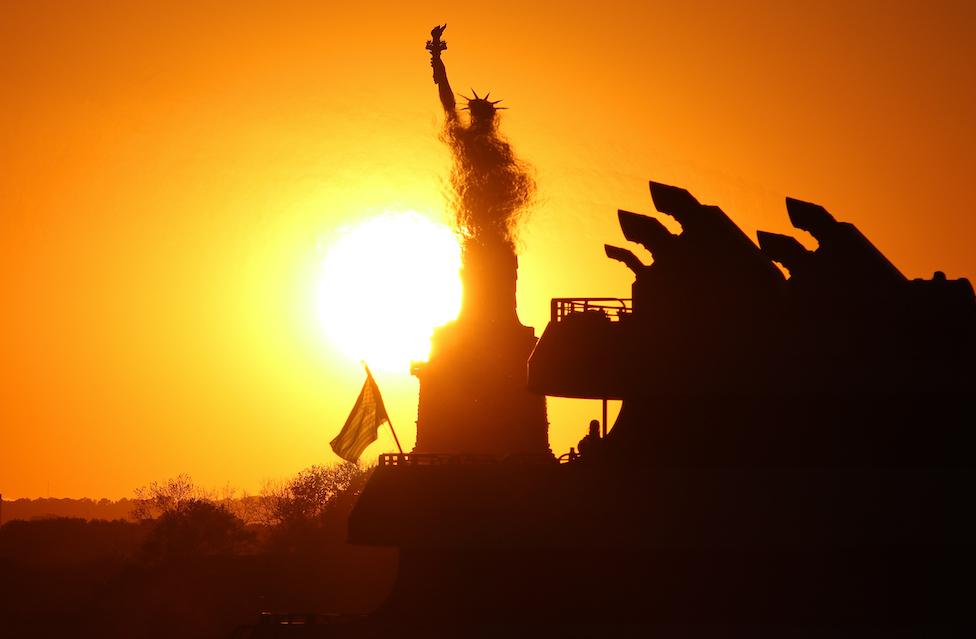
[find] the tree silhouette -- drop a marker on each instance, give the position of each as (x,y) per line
(299,509)
(187,521)
(198,528)
(157,499)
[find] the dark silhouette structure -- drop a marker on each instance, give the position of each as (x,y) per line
(473,398)
(791,451)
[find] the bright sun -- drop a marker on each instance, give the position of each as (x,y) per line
(387,282)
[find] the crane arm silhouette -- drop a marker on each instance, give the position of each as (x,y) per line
(623,255)
(436,46)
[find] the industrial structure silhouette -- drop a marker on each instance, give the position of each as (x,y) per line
(789,450)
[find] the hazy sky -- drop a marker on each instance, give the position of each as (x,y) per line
(173,170)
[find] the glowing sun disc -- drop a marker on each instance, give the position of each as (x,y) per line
(386,283)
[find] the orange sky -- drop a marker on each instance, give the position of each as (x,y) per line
(171,170)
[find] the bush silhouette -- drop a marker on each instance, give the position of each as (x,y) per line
(197,528)
(301,509)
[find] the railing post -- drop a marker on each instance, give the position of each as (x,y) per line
(604,417)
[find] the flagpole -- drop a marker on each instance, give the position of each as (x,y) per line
(390,422)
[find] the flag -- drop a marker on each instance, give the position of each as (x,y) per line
(365,419)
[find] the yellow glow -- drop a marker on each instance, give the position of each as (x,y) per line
(386,284)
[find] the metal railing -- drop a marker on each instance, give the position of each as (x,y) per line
(459,459)
(613,308)
(566,458)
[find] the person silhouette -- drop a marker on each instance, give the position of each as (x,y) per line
(591,442)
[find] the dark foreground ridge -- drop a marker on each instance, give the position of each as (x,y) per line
(791,451)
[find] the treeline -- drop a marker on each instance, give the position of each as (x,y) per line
(183,561)
(177,518)
(49,508)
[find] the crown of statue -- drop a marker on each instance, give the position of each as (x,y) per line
(481,106)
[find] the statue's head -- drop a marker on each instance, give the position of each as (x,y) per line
(483,110)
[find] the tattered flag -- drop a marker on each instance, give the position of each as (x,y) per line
(363,422)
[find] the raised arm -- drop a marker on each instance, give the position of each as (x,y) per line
(435,45)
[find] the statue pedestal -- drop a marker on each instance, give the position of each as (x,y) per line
(473,396)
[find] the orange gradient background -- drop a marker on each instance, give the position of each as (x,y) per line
(171,172)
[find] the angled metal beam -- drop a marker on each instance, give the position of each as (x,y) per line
(646,231)
(623,255)
(810,217)
(783,249)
